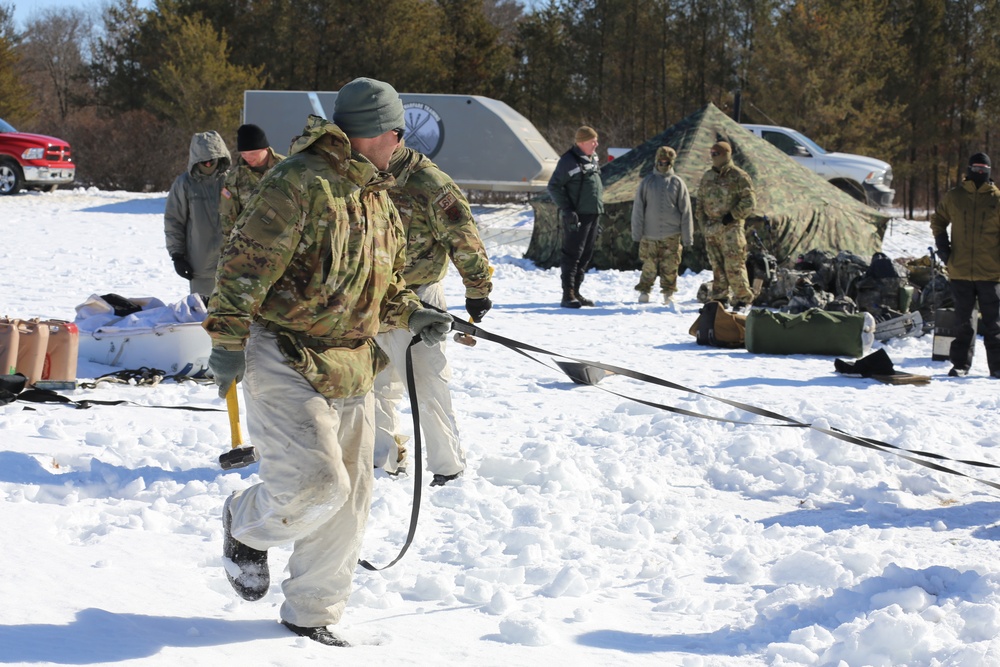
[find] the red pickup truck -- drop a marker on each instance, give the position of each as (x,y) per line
(33,161)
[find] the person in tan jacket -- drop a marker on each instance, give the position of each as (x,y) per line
(972,254)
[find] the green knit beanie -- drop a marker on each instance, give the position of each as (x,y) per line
(366,108)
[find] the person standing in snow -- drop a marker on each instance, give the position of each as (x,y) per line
(191,216)
(972,254)
(439,225)
(577,190)
(725,200)
(304,281)
(256,157)
(662,224)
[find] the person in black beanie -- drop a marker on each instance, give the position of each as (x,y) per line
(972,255)
(256,159)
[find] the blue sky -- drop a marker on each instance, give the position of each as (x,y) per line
(25,9)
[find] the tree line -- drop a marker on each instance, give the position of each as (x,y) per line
(914,82)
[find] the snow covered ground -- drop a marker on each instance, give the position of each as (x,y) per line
(588,529)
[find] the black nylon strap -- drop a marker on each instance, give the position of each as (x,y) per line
(49,396)
(869,443)
(417,463)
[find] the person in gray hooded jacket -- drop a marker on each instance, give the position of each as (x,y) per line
(662,222)
(191,217)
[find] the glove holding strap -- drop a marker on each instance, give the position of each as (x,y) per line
(431,325)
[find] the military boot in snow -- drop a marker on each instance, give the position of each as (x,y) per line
(319,634)
(246,567)
(569,300)
(584,301)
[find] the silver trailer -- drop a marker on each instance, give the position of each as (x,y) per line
(480,142)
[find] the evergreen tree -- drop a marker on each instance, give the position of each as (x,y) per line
(195,85)
(16,103)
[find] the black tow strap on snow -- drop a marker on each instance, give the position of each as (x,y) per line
(417,463)
(49,396)
(581,372)
(12,388)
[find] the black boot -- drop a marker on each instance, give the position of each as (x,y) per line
(577,281)
(320,634)
(254,578)
(569,300)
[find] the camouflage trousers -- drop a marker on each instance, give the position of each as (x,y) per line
(660,257)
(726,246)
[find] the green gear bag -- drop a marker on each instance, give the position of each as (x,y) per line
(814,331)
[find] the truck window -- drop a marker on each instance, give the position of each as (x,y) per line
(784,142)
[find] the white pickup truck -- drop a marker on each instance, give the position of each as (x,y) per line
(864,178)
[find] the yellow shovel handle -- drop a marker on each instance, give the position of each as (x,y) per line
(233,407)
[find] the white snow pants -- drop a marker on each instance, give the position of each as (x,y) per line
(431,375)
(316,481)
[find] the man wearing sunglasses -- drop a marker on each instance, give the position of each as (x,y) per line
(972,254)
(725,200)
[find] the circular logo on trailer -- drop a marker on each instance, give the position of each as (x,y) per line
(424,129)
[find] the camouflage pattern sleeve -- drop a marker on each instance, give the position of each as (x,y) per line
(229,203)
(253,258)
(455,226)
(746,198)
(400,302)
(684,208)
(699,204)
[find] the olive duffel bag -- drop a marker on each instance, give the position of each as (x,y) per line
(814,331)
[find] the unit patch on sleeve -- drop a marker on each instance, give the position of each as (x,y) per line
(449,204)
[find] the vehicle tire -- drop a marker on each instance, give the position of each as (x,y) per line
(853,189)
(11,177)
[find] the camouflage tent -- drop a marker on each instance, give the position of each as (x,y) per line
(797,210)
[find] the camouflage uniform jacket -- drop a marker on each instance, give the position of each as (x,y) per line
(726,190)
(974,218)
(438,224)
(241,181)
(317,257)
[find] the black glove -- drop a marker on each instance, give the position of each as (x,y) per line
(182,266)
(728,219)
(943,247)
(227,366)
(477,308)
(570,220)
(431,325)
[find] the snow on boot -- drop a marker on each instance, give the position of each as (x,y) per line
(668,299)
(246,568)
(320,634)
(643,297)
